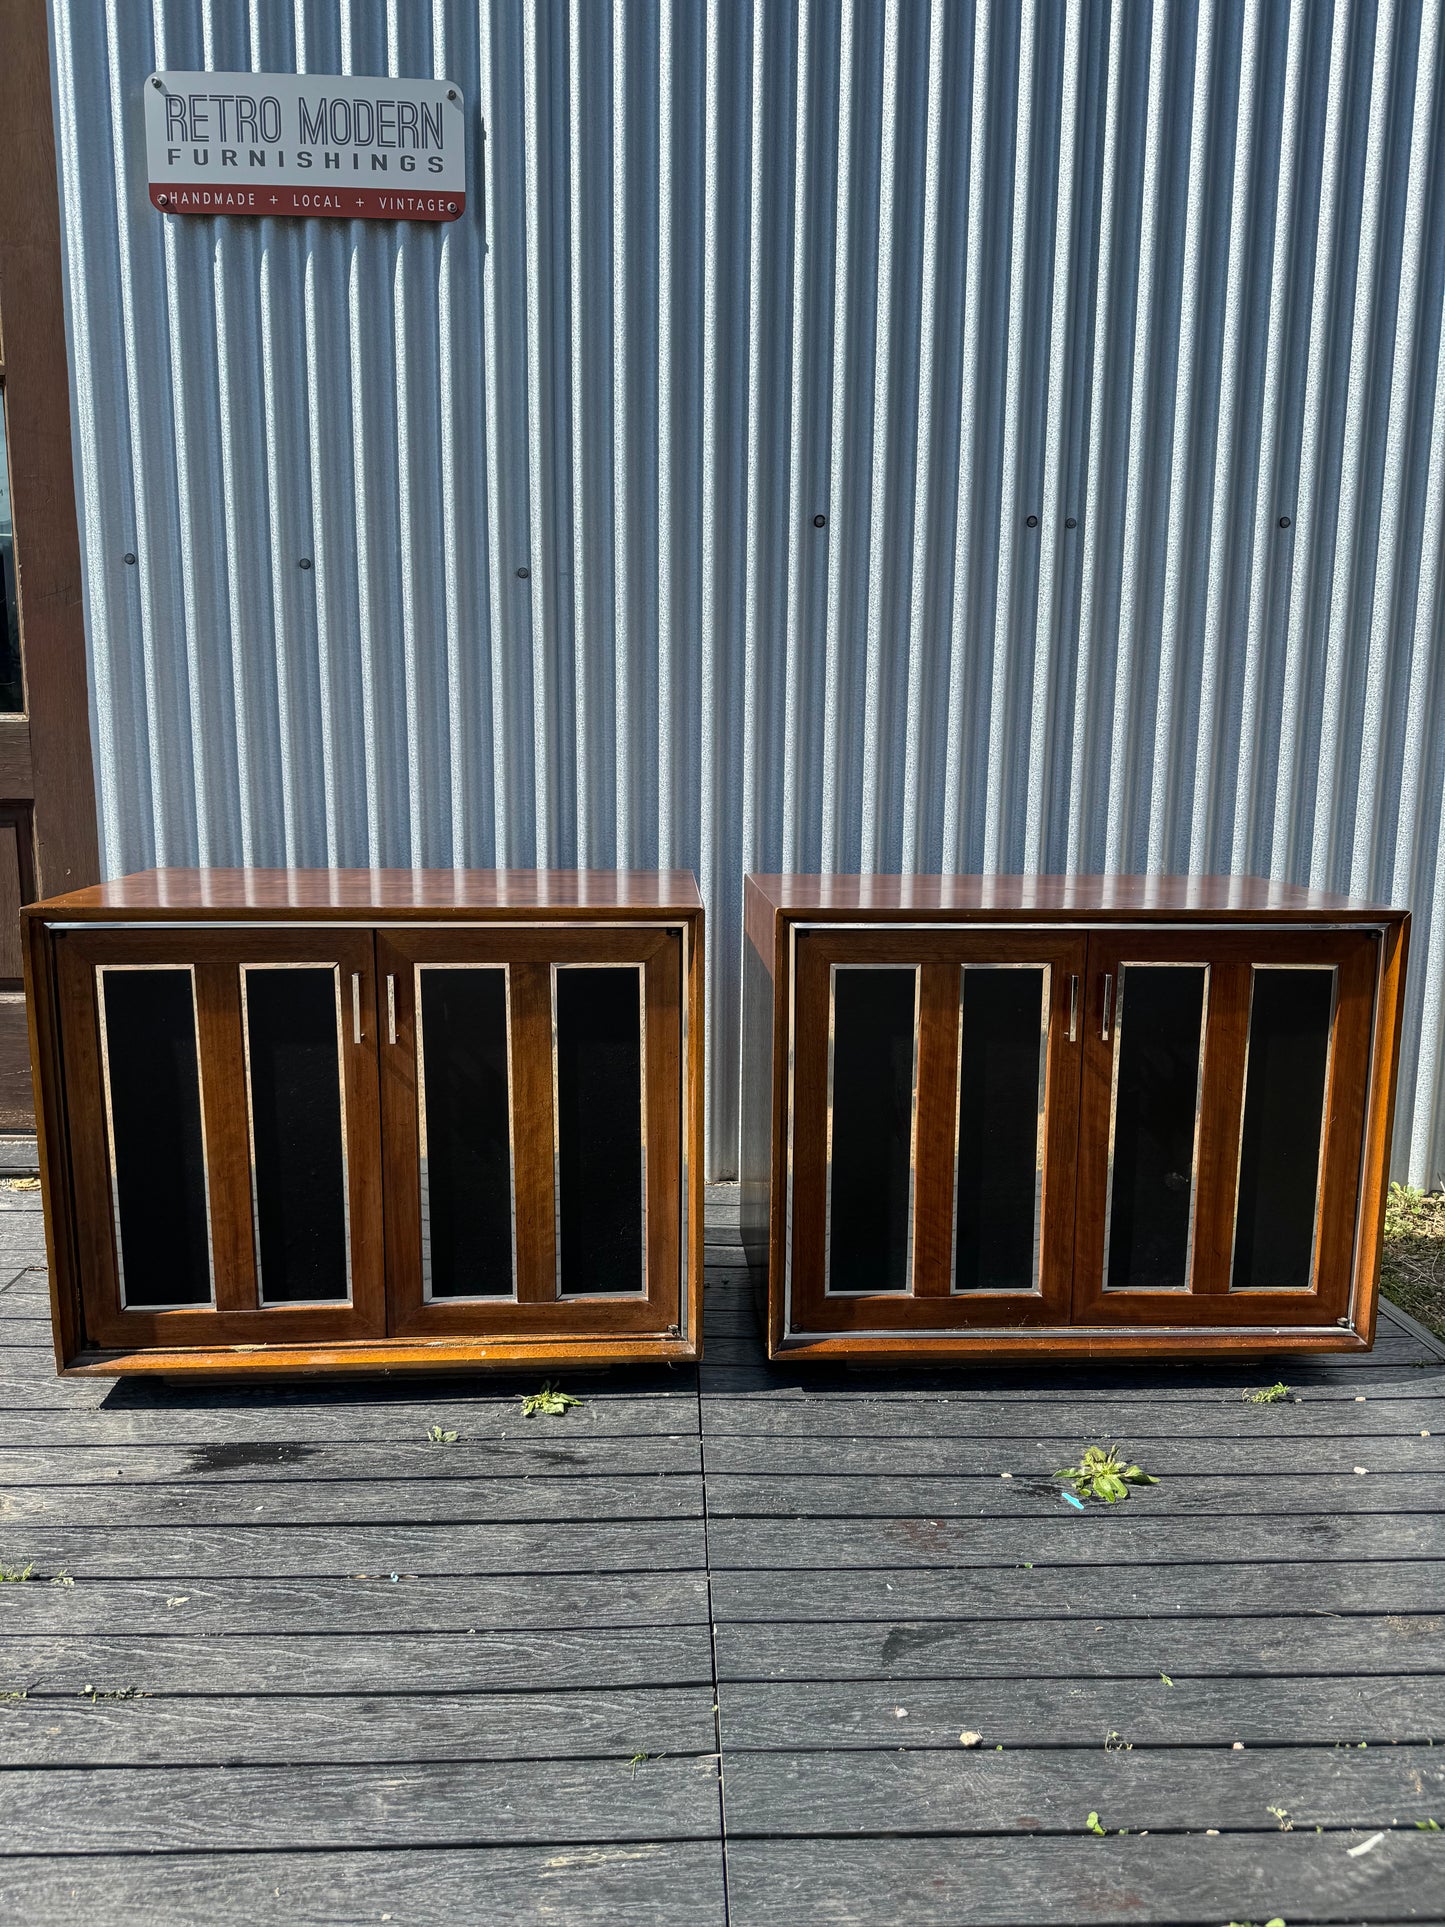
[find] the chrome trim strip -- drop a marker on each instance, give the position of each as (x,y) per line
(298,1304)
(190,971)
(1254,970)
(1035,1290)
(423,1166)
(828,1291)
(390,1007)
(1156,963)
(595,1297)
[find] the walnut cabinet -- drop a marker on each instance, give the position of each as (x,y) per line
(998,1116)
(335,1120)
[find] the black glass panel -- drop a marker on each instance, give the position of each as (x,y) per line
(1156,1096)
(296,1124)
(156,1140)
(872,1135)
(599,1129)
(1284,1111)
(1000,1060)
(466,1143)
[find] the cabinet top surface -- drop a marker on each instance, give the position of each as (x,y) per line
(1093,896)
(392,893)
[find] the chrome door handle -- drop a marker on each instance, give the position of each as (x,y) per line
(1108,999)
(390,1008)
(356,1006)
(1073,1010)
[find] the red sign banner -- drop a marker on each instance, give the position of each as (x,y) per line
(335,203)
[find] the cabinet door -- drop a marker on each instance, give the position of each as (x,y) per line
(223,1127)
(532,1106)
(1222,1125)
(933,1110)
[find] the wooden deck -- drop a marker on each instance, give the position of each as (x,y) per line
(313,1668)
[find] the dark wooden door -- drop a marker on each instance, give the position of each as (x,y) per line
(47,795)
(933,1116)
(221,1088)
(1221,1125)
(532,1119)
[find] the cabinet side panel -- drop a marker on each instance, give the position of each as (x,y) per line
(755,1167)
(1380,1119)
(55,1179)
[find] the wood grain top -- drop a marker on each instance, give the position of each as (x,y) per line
(1004,899)
(1052,895)
(383,893)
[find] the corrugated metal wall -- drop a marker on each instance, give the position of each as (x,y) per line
(1105,337)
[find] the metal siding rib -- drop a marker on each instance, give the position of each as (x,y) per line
(1171,270)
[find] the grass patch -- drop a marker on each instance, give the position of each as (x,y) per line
(1412,1271)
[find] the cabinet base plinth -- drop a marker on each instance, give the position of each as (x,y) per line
(1075,1342)
(382,1358)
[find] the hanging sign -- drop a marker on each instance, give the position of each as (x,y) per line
(348,147)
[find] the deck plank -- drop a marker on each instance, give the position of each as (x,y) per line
(344,1424)
(358,1663)
(1176,1789)
(1223,1418)
(278,1729)
(191,1551)
(359,1462)
(661,1882)
(122,1506)
(274,1809)
(1042,1649)
(1083,1882)
(1056,1537)
(883,1715)
(1047,1592)
(308,1604)
(1031,1458)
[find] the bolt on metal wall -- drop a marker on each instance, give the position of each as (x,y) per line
(841,434)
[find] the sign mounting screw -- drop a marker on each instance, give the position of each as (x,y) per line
(452,94)
(158,83)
